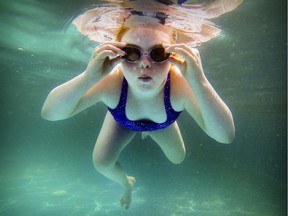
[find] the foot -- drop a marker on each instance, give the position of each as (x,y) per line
(144,135)
(127,195)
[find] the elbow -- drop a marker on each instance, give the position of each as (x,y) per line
(227,132)
(222,135)
(226,137)
(47,116)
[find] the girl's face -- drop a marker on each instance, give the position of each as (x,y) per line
(145,74)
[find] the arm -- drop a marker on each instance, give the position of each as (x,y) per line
(212,114)
(74,96)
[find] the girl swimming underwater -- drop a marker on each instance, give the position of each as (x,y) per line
(146,75)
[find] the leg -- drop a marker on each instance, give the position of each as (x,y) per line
(112,139)
(171,142)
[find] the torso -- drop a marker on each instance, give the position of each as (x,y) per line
(153,110)
(139,108)
(144,122)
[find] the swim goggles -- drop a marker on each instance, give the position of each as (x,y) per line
(156,54)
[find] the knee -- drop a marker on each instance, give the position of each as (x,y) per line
(101,164)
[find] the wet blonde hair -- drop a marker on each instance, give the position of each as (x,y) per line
(124,29)
(120,32)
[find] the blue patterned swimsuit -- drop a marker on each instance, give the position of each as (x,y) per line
(119,113)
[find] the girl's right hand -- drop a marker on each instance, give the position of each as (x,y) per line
(104,58)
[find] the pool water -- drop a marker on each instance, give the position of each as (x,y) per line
(46,167)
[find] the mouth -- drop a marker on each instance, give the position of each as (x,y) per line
(145,78)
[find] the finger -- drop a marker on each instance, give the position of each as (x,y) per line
(117,44)
(180,63)
(115,61)
(166,45)
(190,56)
(195,55)
(186,55)
(189,50)
(109,47)
(103,55)
(114,46)
(173,46)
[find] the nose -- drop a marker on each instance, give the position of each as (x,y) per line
(145,62)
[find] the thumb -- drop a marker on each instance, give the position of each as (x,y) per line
(115,61)
(180,63)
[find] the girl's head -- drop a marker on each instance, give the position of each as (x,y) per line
(145,32)
(146,72)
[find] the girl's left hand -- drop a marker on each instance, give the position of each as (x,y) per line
(187,59)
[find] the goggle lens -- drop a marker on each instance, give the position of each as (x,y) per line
(159,54)
(133,54)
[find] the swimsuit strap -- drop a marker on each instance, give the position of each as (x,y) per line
(172,115)
(167,100)
(121,107)
(123,97)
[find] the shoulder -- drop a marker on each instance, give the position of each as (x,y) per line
(110,87)
(180,90)
(112,82)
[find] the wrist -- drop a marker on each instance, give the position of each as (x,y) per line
(85,81)
(196,76)
(91,77)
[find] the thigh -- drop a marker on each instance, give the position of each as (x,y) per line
(112,139)
(171,142)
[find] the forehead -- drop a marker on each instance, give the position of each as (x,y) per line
(145,37)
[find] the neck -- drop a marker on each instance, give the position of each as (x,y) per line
(146,94)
